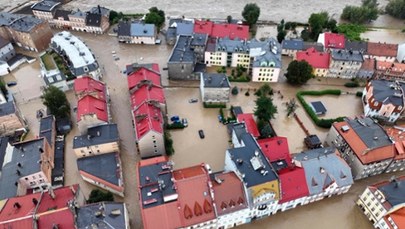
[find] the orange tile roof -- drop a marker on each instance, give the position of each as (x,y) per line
(151,161)
(382,49)
(398,136)
(230,189)
(364,154)
(394,67)
(398,217)
(162,216)
(368,64)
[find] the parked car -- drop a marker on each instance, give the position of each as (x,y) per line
(185,122)
(175,118)
(220,118)
(11,83)
(201,133)
(193,100)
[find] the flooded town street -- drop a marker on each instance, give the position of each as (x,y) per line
(334,213)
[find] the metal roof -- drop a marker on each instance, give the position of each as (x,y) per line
(294,44)
(142,29)
(347,55)
(93,19)
(372,134)
(103,166)
(46,6)
(97,135)
(322,168)
(388,92)
(7,108)
(46,128)
(360,46)
(394,191)
(251,164)
(182,51)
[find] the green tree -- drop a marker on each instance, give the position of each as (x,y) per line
(299,72)
(361,14)
(168,144)
(265,90)
(265,109)
(235,90)
(229,18)
(251,13)
(291,107)
(396,8)
(96,195)
(55,100)
(352,31)
(317,22)
(281,35)
(155,16)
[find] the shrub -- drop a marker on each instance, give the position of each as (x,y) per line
(97,195)
(352,84)
(235,90)
(359,94)
(211,105)
(247,93)
(175,125)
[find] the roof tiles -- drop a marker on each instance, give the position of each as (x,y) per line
(314,58)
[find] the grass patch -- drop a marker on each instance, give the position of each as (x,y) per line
(62,66)
(324,123)
(48,61)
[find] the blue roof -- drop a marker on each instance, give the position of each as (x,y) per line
(103,166)
(142,30)
(251,163)
(185,28)
(294,44)
(323,167)
(318,107)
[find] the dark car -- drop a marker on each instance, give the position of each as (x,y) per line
(201,133)
(11,84)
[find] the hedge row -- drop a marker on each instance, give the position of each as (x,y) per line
(324,123)
(207,105)
(175,125)
(240,79)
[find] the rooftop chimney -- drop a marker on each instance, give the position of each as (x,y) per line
(17,205)
(35,201)
(99,9)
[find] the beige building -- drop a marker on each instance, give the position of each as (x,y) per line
(345,63)
(215,88)
(11,121)
(45,10)
(98,140)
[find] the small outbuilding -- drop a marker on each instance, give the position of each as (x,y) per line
(318,108)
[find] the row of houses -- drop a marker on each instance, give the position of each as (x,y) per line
(97,148)
(340,58)
(96,20)
(259,179)
(60,208)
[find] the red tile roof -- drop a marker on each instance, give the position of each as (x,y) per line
(144,75)
(89,86)
(26,207)
(25,222)
(368,64)
(334,40)
(162,216)
(382,49)
(222,30)
(147,117)
(398,135)
(229,190)
(151,161)
(63,218)
(145,94)
(393,67)
(275,149)
(250,124)
(194,201)
(398,217)
(293,184)
(314,58)
(359,147)
(90,105)
(62,197)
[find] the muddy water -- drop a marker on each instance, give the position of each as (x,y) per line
(385,35)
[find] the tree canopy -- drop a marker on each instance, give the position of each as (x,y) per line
(97,195)
(55,100)
(155,16)
(396,8)
(299,72)
(352,31)
(320,21)
(361,14)
(265,109)
(251,13)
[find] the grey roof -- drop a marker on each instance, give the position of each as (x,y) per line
(318,107)
(215,80)
(360,46)
(346,55)
(103,166)
(46,128)
(59,163)
(394,191)
(184,28)
(97,135)
(182,51)
(62,13)
(323,167)
(3,147)
(51,79)
(317,46)
(124,28)
(78,13)
(93,19)
(46,6)
(100,10)
(171,33)
(87,216)
(7,108)
(149,176)
(3,42)
(18,22)
(142,30)
(199,39)
(388,92)
(370,132)
(247,158)
(237,110)
(294,44)
(231,46)
(239,129)
(25,159)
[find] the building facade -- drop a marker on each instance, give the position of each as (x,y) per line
(291,47)
(318,60)
(381,51)
(345,63)
(11,120)
(137,33)
(182,60)
(214,88)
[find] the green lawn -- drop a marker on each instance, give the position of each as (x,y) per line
(48,61)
